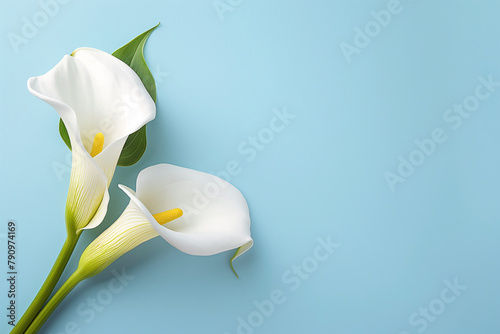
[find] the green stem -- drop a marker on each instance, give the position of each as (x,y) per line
(48,285)
(58,297)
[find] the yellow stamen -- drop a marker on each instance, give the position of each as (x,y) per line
(98,145)
(167,216)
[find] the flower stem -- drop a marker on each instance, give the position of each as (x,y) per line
(48,285)
(58,297)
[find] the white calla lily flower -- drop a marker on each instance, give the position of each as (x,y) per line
(167,204)
(101,101)
(221,223)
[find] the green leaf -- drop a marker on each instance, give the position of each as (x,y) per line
(134,148)
(64,133)
(131,54)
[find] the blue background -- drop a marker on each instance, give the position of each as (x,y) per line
(218,82)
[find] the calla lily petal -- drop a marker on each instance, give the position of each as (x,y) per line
(216,216)
(222,224)
(129,231)
(94,92)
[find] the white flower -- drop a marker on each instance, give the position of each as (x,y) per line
(101,101)
(163,206)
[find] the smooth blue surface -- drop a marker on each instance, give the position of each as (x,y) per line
(322,175)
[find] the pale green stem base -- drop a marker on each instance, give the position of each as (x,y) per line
(49,284)
(58,297)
